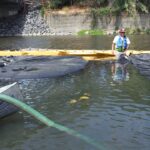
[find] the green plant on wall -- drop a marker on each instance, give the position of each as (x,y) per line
(100,13)
(104,11)
(42,11)
(137,31)
(130,6)
(91,32)
(147,31)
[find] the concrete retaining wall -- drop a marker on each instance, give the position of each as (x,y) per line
(71,24)
(32,24)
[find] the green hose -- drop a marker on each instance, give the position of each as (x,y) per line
(47,121)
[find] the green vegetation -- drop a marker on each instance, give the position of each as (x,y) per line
(43,11)
(104,6)
(147,31)
(91,32)
(102,32)
(100,8)
(137,31)
(104,11)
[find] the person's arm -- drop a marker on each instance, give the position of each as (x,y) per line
(128,44)
(113,48)
(113,44)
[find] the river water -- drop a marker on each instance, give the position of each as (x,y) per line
(115,113)
(139,42)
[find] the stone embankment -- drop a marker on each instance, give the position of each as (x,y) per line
(30,23)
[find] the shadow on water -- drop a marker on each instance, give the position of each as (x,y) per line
(13,24)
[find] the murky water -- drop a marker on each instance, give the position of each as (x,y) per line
(115,113)
(139,42)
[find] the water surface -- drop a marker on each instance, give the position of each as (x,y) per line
(116,112)
(116,115)
(138,42)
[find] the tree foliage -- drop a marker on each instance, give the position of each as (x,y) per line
(130,6)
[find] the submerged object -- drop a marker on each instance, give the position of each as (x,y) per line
(142,63)
(41,67)
(73,101)
(7,109)
(84,98)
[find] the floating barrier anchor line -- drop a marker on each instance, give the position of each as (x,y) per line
(49,122)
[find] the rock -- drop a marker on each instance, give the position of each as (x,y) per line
(2,64)
(18,69)
(142,63)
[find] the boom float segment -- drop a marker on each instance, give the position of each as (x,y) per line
(52,52)
(87,54)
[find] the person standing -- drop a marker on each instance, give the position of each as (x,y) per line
(120,44)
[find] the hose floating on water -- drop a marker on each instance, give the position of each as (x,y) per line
(47,121)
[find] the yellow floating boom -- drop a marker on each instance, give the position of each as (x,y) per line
(53,52)
(59,52)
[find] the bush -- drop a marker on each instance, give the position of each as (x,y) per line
(137,31)
(130,30)
(42,11)
(147,31)
(130,6)
(91,32)
(102,11)
(56,4)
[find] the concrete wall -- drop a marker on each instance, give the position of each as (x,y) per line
(70,24)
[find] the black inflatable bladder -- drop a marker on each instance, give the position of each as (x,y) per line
(7,109)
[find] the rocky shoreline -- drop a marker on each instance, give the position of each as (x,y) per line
(30,23)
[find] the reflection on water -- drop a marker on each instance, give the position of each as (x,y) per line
(116,115)
(119,71)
